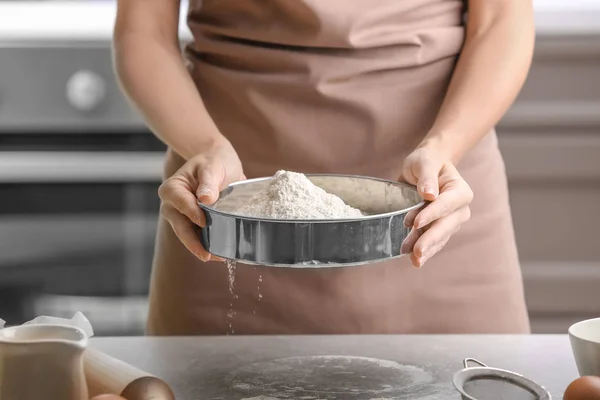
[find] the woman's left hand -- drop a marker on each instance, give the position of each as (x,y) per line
(439,183)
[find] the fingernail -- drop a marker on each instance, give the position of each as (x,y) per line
(205,192)
(430,190)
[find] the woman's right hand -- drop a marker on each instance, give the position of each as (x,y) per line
(201,178)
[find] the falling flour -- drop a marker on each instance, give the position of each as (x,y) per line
(291,195)
(231,264)
(258,287)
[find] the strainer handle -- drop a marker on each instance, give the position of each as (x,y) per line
(474,361)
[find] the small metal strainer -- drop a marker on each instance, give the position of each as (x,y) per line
(486,383)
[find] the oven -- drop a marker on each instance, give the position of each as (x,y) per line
(79,174)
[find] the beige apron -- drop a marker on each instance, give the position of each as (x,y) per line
(340,86)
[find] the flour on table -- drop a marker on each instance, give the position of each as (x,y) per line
(291,195)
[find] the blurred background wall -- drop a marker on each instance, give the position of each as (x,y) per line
(551,143)
(79,170)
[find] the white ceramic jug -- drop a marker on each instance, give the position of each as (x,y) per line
(39,362)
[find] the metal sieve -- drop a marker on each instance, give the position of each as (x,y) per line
(377,236)
(486,383)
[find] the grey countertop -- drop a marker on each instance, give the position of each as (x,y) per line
(338,367)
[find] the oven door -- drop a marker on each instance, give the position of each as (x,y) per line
(78,218)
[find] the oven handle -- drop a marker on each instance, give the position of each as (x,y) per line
(57,167)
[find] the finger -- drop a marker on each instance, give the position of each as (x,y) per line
(439,231)
(184,230)
(451,199)
(426,172)
(177,194)
(210,180)
(436,237)
(415,261)
(409,242)
(409,219)
(420,261)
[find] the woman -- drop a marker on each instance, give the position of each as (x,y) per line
(397,89)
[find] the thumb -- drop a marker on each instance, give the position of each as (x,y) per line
(208,186)
(427,173)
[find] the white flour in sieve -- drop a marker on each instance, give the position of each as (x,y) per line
(291,195)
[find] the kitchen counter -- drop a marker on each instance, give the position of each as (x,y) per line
(237,368)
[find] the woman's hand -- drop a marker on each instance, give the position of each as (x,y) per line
(201,178)
(439,183)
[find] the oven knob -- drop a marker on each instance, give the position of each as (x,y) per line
(86,90)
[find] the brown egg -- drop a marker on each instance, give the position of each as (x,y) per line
(108,397)
(584,388)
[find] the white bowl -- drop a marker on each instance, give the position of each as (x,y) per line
(585,343)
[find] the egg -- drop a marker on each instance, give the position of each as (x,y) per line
(584,388)
(108,397)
